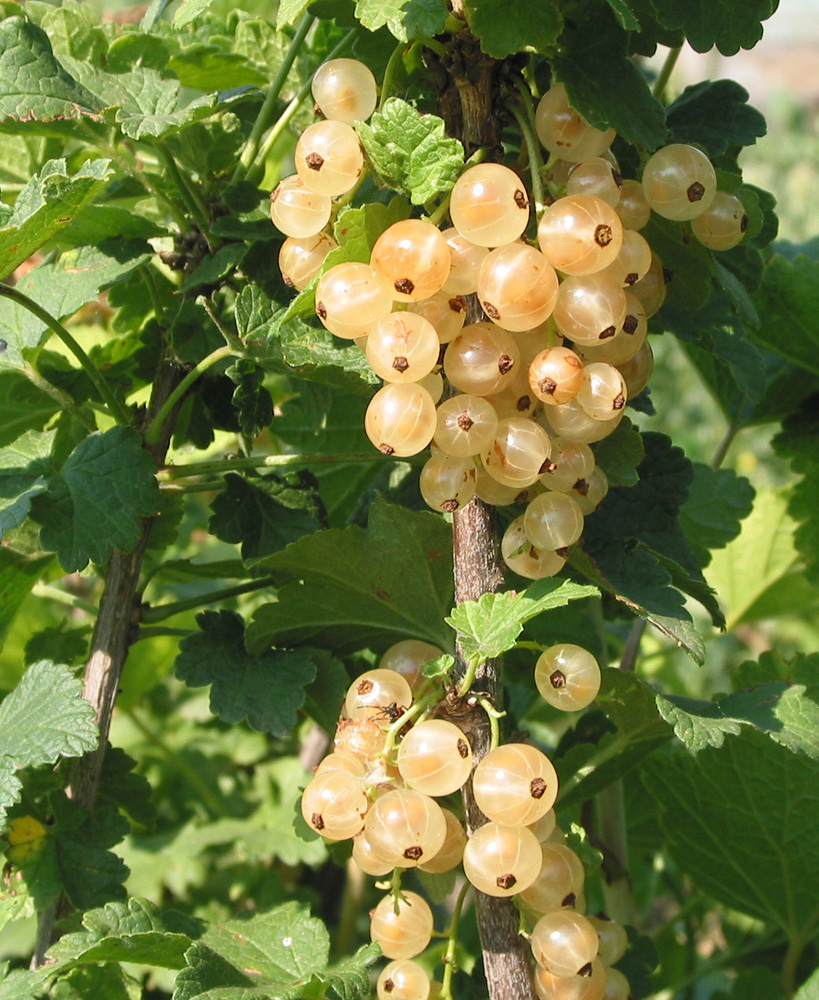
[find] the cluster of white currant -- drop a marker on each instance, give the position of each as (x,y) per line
(381,786)
(527,405)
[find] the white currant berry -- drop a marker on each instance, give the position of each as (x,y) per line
(373,691)
(501,860)
(526,559)
(435,757)
(447,482)
(402,925)
(405,827)
(723,224)
(400,419)
(515,784)
(403,980)
(407,657)
(329,158)
(567,676)
(345,90)
(679,182)
(553,521)
(301,258)
(564,131)
(414,256)
(489,205)
(334,804)
(297,211)
(564,942)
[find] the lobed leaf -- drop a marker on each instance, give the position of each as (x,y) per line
(715,115)
(406,19)
(504,29)
(707,23)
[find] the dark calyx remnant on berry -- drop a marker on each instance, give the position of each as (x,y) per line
(364,686)
(314,161)
(465,422)
(386,449)
(463,748)
(321,310)
(506,881)
(400,364)
(505,364)
(631,278)
(619,402)
(523,403)
(557,679)
(520,199)
(547,386)
(458,303)
(586,970)
(603,235)
(450,506)
(413,853)
(548,466)
(630,324)
(743,224)
(608,332)
(490,310)
(695,192)
(537,788)
(581,487)
(569,900)
(405,286)
(317,821)
(388,986)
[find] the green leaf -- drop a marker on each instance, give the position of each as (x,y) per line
(266,689)
(624,14)
(718,501)
(265,513)
(756,562)
(290,11)
(491,625)
(797,441)
(48,202)
(74,857)
(23,407)
(215,267)
(728,807)
(24,466)
(356,587)
(687,261)
(411,151)
(188,11)
(251,400)
(102,982)
(61,285)
(134,931)
(715,115)
(34,87)
(349,979)
(94,503)
(717,22)
(123,788)
(406,19)
(602,82)
(619,454)
(504,30)
(809,990)
(18,574)
(45,717)
(275,953)
(327,691)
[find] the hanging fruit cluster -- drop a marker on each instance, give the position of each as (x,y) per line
(563,347)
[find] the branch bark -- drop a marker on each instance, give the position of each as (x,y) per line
(468,84)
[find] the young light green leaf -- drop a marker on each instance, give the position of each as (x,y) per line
(188,11)
(703,798)
(809,990)
(490,626)
(266,689)
(132,931)
(270,954)
(290,11)
(410,151)
(48,202)
(18,574)
(35,90)
(440,667)
(45,717)
(354,587)
(406,19)
(94,503)
(504,29)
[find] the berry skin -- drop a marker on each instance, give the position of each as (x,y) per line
(406,933)
(334,804)
(400,419)
(553,521)
(502,860)
(723,224)
(481,359)
(345,90)
(590,985)
(556,375)
(515,784)
(564,942)
(328,158)
(567,676)
(580,234)
(413,255)
(633,209)
(406,828)
(526,559)
(447,483)
(564,132)
(300,258)
(517,287)
(403,980)
(518,453)
(679,182)
(351,298)
(489,205)
(435,757)
(403,347)
(452,852)
(373,691)
(466,425)
(407,657)
(297,211)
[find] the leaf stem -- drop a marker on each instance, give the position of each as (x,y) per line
(217,466)
(450,964)
(117,410)
(665,73)
(494,717)
(722,448)
(62,399)
(160,631)
(50,593)
(389,73)
(141,177)
(154,432)
(795,948)
(526,123)
(190,196)
(469,676)
(160,612)
(265,115)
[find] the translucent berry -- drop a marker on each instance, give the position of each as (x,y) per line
(466,425)
(489,205)
(403,347)
(435,757)
(526,559)
(626,342)
(588,985)
(446,312)
(723,224)
(295,210)
(580,234)
(592,492)
(553,521)
(345,90)
(596,177)
(617,986)
(334,804)
(515,784)
(501,860)
(467,258)
(559,881)
(329,158)
(300,258)
(572,422)
(400,419)
(603,393)
(406,828)
(481,359)
(517,287)
(373,691)
(633,261)
(564,942)
(567,676)
(637,370)
(407,657)
(679,182)
(405,933)
(351,298)
(633,209)
(518,452)
(415,258)
(447,482)
(613,938)
(555,375)
(403,980)
(570,463)
(590,308)
(367,859)
(564,131)
(651,288)
(452,852)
